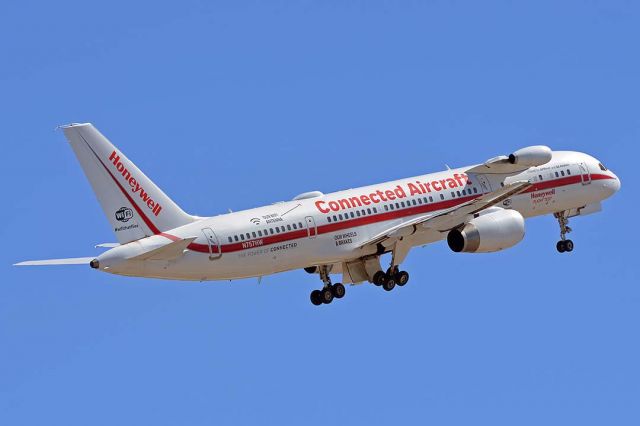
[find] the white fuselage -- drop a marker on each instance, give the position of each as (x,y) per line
(328,229)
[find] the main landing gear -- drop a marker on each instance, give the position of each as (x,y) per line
(388,280)
(329,291)
(563,245)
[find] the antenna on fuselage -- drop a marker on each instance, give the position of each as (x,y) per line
(447,166)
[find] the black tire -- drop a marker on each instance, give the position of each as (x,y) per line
(338,291)
(316,297)
(568,245)
(389,284)
(402,278)
(560,246)
(379,278)
(326,295)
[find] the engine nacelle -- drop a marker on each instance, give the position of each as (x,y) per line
(496,230)
(531,156)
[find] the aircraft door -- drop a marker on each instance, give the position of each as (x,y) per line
(585,174)
(214,244)
(312,230)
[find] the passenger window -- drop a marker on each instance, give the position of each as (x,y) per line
(453,194)
(557,174)
(242,237)
(248,236)
(414,202)
(335,218)
(397,205)
(289,227)
(230,240)
(328,218)
(430,199)
(568,172)
(419,200)
(475,190)
(375,210)
(235,237)
(458,192)
(340,216)
(562,172)
(391,206)
(386,208)
(442,196)
(540,176)
(254,234)
(271,231)
(402,204)
(369,211)
(358,213)
(352,215)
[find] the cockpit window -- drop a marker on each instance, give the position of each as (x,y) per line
(602,167)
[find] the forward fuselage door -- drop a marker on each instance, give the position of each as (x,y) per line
(584,172)
(312,230)
(214,245)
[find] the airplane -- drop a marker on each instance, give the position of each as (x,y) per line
(476,209)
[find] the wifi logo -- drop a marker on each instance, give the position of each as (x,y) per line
(255,221)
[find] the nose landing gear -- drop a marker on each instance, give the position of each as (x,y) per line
(329,291)
(564,245)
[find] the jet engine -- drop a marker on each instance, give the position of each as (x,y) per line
(531,156)
(495,230)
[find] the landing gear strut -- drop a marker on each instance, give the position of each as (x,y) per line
(329,291)
(564,245)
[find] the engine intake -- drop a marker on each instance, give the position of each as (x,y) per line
(493,231)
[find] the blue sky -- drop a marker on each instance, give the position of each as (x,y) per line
(239,104)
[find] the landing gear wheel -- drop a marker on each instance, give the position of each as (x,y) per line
(389,284)
(326,295)
(338,291)
(402,278)
(568,245)
(316,297)
(379,278)
(560,246)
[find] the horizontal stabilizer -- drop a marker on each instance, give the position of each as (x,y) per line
(167,252)
(69,261)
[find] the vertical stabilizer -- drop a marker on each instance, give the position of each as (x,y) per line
(134,205)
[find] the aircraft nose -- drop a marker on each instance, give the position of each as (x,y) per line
(612,185)
(616,183)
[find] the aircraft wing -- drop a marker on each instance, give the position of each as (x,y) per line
(451,218)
